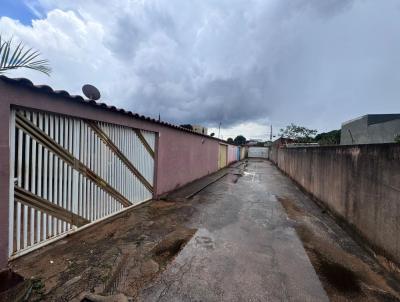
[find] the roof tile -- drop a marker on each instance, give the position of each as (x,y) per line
(50,91)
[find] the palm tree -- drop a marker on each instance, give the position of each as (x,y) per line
(20,57)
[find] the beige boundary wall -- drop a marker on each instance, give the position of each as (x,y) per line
(360,184)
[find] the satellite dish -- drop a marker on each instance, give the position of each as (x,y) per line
(91,92)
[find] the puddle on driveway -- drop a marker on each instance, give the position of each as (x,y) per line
(171,244)
(233,178)
(341,278)
(347,271)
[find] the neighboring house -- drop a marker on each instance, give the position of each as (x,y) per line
(200,129)
(282,142)
(253,142)
(371,129)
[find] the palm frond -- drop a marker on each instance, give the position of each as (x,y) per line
(21,57)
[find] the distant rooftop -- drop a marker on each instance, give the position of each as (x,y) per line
(376,118)
(381,118)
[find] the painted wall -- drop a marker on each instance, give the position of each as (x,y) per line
(232,153)
(181,157)
(4,183)
(360,184)
(193,156)
(222,156)
(243,152)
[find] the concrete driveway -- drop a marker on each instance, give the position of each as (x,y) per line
(229,241)
(244,249)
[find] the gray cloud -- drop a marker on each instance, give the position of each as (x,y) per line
(312,62)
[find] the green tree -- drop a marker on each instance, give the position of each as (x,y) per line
(240,140)
(230,140)
(14,57)
(328,138)
(298,133)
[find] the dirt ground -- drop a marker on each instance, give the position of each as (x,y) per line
(348,271)
(123,253)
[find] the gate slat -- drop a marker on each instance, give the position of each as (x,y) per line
(39,203)
(26,186)
(69,158)
(120,155)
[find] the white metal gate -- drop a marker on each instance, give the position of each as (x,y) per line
(258,152)
(68,172)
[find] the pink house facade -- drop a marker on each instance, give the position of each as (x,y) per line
(180,156)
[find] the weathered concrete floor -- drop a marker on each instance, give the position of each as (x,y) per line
(244,249)
(231,242)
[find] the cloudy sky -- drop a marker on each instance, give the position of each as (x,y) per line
(246,64)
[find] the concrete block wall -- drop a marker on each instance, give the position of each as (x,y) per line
(360,184)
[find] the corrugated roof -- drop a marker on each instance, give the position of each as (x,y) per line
(50,91)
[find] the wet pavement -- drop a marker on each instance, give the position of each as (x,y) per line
(245,233)
(244,249)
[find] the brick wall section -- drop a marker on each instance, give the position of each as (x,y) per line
(360,184)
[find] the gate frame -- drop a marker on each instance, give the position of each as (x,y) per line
(24,94)
(44,99)
(11,198)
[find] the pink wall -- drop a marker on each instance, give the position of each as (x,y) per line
(232,154)
(181,157)
(4,183)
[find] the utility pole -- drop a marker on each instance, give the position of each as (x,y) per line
(219,130)
(270,134)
